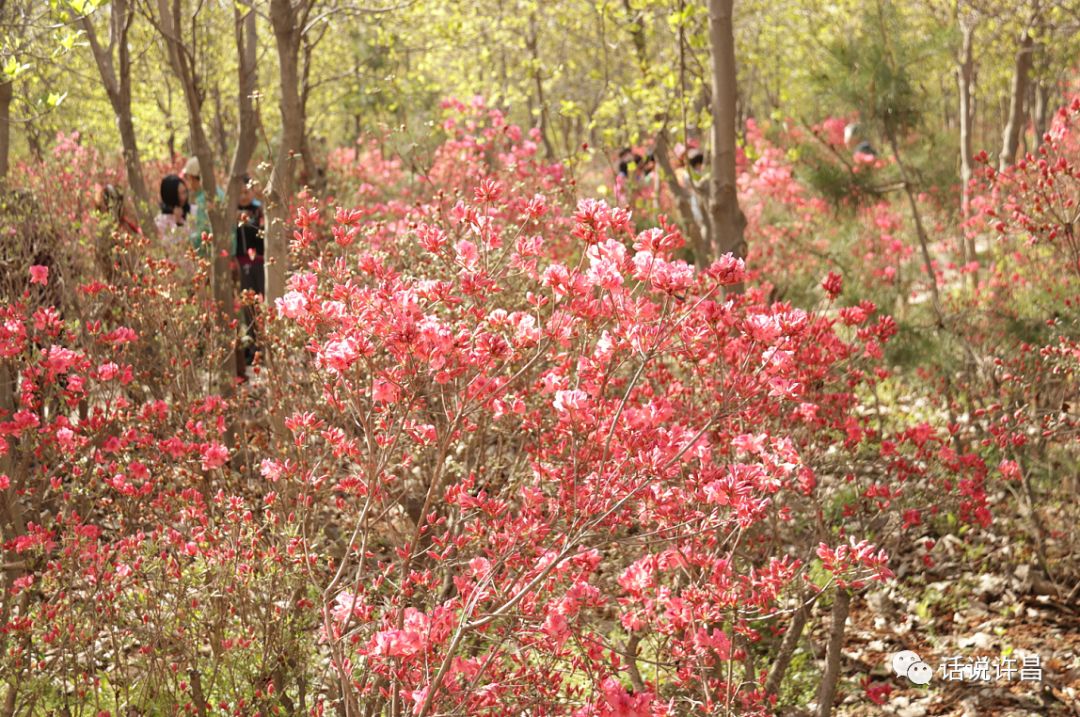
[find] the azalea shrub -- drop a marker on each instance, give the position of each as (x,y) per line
(1021,329)
(502,452)
(568,472)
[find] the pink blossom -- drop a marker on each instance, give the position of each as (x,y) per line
(384,391)
(833,285)
(293,305)
(467,253)
(556,627)
(571,401)
(66,438)
(620,703)
(339,355)
(214,455)
(39,274)
(397,643)
(271,470)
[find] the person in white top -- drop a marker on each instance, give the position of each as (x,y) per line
(174,213)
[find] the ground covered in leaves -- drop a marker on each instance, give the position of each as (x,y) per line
(984,597)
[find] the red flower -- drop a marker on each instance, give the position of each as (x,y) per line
(39,274)
(833,285)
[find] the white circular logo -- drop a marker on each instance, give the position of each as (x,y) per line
(901,661)
(920,673)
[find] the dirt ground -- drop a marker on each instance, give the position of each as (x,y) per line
(993,601)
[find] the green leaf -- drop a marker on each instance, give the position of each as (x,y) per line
(12,68)
(83,7)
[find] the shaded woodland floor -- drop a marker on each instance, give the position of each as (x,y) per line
(992,602)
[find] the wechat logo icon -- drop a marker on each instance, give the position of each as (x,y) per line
(908,664)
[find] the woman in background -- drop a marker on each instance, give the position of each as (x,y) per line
(250,256)
(174,212)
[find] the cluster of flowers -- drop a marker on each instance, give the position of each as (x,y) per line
(530,460)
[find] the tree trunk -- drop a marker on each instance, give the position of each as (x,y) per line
(728,221)
(1014,126)
(133,165)
(920,230)
(122,16)
(1041,112)
(786,651)
(827,692)
(247,85)
(116,79)
(965,77)
(533,46)
(287,33)
(684,199)
(221,215)
(6,94)
(221,135)
(315,178)
(637,34)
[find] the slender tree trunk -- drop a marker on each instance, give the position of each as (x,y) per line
(280,190)
(827,692)
(221,214)
(787,650)
(684,200)
(247,86)
(6,94)
(1014,127)
(533,45)
(136,182)
(965,77)
(116,78)
(315,178)
(920,230)
(1041,112)
(246,140)
(221,135)
(122,16)
(637,34)
(728,221)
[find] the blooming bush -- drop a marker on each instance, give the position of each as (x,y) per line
(510,454)
(577,486)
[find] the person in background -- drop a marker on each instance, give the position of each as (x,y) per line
(629,162)
(172,220)
(688,173)
(109,200)
(250,255)
(200,214)
(860,147)
(250,239)
(648,166)
(628,172)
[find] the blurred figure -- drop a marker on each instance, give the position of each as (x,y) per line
(109,200)
(199,223)
(250,256)
(250,239)
(629,162)
(860,147)
(629,172)
(688,175)
(171,221)
(648,165)
(696,161)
